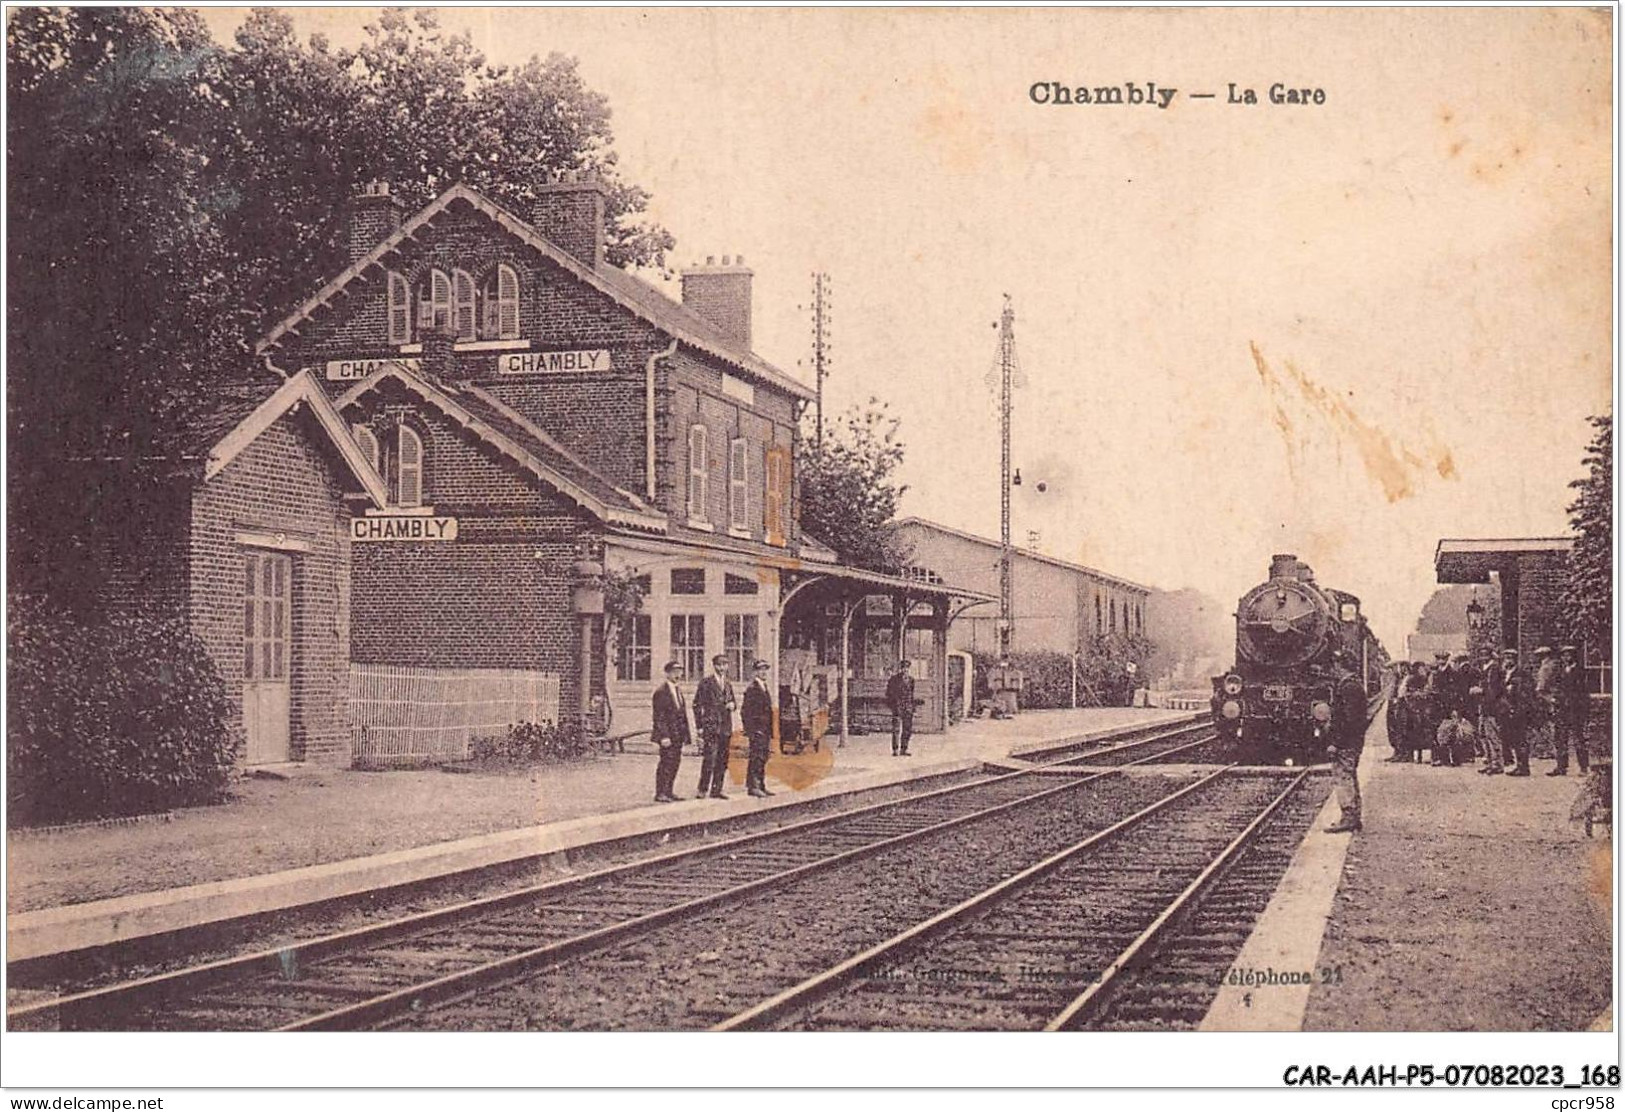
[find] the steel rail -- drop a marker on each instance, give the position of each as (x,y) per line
(1083,760)
(1095,993)
(287,958)
(466,981)
(821,984)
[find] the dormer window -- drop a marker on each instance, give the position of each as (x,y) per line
(400,312)
(500,300)
(462,304)
(408,469)
(368,441)
(434,302)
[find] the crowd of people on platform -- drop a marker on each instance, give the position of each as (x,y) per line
(1459,712)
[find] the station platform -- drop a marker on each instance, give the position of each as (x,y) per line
(311,834)
(1468,903)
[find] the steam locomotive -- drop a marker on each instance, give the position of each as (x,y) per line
(1275,705)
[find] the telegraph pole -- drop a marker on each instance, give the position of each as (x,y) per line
(1007,366)
(821,291)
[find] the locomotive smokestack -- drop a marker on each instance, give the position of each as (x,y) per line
(1284,565)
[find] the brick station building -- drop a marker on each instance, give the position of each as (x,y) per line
(539,419)
(1528,573)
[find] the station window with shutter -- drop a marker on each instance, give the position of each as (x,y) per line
(738,585)
(400,310)
(369,444)
(697,473)
(434,302)
(500,298)
(738,475)
(776,503)
(463,313)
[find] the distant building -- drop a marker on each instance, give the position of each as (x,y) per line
(1057,605)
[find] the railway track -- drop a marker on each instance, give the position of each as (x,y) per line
(1072,939)
(364,976)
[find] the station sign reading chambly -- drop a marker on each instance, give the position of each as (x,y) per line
(352,370)
(403,527)
(551,362)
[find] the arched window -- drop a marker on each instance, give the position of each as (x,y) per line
(500,299)
(408,469)
(1114,615)
(400,310)
(368,441)
(434,301)
(462,305)
(1100,619)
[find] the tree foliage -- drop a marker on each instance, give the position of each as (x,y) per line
(1588,597)
(170,197)
(848,494)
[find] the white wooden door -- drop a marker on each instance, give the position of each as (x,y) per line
(267,647)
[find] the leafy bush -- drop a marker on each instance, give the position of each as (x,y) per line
(124,717)
(532,741)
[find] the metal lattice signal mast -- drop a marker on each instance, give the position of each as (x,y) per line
(821,322)
(1007,367)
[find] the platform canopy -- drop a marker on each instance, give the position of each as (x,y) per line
(1471,561)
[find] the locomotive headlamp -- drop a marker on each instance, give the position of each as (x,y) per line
(1232,685)
(1231,709)
(1322,712)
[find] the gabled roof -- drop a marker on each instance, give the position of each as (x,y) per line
(1026,553)
(631,293)
(524,443)
(299,390)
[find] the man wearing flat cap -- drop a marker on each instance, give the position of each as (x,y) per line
(1569,717)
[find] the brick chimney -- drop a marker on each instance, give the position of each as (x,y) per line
(569,212)
(375,215)
(721,295)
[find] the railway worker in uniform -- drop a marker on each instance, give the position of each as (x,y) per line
(714,715)
(1512,713)
(670,731)
(1569,719)
(757,715)
(1345,742)
(900,698)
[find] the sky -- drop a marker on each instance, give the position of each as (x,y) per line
(1343,329)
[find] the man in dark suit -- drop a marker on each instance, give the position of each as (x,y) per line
(757,716)
(1569,715)
(1346,741)
(670,731)
(900,698)
(714,715)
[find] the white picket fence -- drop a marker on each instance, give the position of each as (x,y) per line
(405,716)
